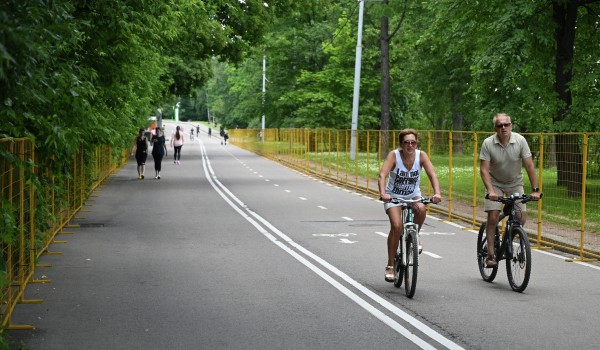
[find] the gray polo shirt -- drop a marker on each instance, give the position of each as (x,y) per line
(505,162)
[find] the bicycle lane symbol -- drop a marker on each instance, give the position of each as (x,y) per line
(338,235)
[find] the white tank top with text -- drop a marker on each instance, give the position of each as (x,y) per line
(404,183)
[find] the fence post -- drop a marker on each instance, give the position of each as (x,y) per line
(583,194)
(475,158)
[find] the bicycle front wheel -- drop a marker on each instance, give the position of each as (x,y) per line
(398,268)
(518,263)
(412,263)
(488,274)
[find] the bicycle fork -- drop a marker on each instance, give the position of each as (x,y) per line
(408,227)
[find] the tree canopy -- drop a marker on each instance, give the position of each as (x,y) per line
(452,65)
(79,72)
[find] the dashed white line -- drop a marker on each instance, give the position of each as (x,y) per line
(432,255)
(347,218)
(322,207)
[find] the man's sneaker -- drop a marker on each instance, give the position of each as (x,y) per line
(142,176)
(490,262)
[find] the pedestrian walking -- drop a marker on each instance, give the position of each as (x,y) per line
(177,143)
(159,150)
(140,149)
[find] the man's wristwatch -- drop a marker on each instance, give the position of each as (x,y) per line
(535,189)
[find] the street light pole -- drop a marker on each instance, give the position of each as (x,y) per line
(264,80)
(357,67)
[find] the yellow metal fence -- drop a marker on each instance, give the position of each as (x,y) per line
(568,167)
(36,205)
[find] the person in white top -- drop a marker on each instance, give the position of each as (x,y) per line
(177,143)
(402,167)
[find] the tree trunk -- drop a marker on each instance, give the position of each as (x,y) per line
(457,125)
(568,153)
(385,85)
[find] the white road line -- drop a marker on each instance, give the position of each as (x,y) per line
(424,252)
(237,205)
(431,254)
(347,218)
(302,198)
(322,207)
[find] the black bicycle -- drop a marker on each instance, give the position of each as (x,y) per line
(406,262)
(514,246)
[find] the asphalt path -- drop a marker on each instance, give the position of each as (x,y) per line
(232,251)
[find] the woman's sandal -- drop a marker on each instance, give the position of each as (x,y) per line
(389,277)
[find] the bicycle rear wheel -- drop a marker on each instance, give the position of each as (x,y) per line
(518,263)
(412,266)
(398,268)
(488,274)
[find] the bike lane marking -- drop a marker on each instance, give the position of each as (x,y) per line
(254,219)
(433,255)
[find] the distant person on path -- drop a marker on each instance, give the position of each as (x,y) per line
(501,158)
(225,137)
(159,150)
(198,130)
(209,132)
(402,167)
(177,143)
(141,152)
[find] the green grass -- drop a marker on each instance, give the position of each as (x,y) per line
(557,206)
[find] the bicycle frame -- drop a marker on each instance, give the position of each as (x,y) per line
(504,250)
(518,257)
(407,223)
(406,261)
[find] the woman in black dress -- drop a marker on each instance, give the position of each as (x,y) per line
(159,150)
(141,153)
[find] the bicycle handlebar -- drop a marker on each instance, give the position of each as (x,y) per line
(409,201)
(513,198)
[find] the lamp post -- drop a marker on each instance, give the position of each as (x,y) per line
(264,80)
(357,67)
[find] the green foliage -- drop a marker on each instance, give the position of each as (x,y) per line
(453,66)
